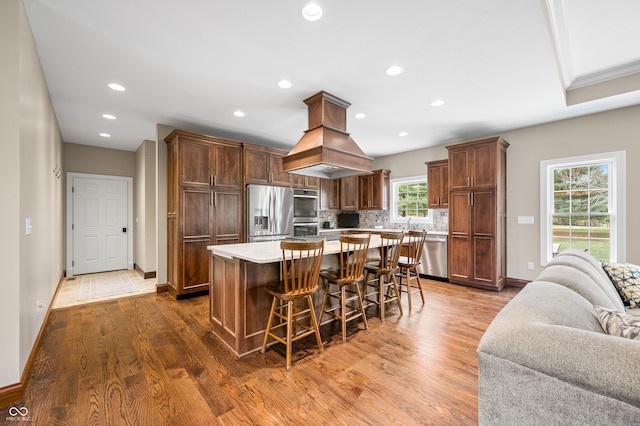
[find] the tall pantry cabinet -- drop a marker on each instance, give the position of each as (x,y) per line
(477,213)
(204,205)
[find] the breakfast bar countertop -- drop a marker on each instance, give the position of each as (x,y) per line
(269,251)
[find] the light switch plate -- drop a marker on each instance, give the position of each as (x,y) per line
(28,226)
(525,220)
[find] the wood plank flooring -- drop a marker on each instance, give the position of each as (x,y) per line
(151,360)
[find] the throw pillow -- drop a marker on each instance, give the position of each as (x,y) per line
(617,323)
(626,278)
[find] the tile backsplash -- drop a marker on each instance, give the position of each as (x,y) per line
(368,219)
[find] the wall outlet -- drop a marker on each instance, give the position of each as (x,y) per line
(530,265)
(525,220)
(39,308)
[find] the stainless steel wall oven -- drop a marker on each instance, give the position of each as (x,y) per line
(305,212)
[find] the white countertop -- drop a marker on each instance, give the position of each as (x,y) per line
(269,251)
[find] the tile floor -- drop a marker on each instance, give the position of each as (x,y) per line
(68,292)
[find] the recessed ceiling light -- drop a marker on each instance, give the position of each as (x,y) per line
(109,116)
(105,135)
(403,134)
(394,70)
(312,12)
(238,113)
(285,84)
(360,115)
(117,87)
(437,103)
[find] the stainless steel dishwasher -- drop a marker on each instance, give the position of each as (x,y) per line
(433,261)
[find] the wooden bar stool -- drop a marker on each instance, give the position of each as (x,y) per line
(410,258)
(353,254)
(383,283)
(299,271)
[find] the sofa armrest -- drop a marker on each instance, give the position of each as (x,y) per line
(600,363)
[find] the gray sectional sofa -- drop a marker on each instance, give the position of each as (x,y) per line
(546,360)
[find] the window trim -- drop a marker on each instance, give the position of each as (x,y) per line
(394,200)
(617,185)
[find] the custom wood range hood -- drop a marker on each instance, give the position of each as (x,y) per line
(326,150)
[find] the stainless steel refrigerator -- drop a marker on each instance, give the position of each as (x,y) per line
(270,213)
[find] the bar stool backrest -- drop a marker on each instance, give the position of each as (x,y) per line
(301,262)
(390,250)
(414,242)
(353,255)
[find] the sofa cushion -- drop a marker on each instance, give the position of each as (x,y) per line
(617,323)
(581,283)
(586,263)
(626,278)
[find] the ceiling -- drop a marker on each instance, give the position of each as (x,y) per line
(498,64)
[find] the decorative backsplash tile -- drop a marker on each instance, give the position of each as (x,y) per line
(369,218)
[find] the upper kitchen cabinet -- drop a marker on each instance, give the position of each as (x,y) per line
(349,193)
(204,161)
(329,194)
(438,181)
(373,190)
(307,182)
(475,164)
(263,166)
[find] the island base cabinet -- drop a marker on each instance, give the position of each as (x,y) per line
(239,305)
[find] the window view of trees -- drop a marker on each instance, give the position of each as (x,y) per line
(412,199)
(581,218)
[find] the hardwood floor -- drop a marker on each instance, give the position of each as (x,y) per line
(150,360)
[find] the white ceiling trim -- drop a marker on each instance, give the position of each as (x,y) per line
(560,35)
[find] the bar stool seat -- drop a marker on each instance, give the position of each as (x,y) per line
(383,284)
(347,279)
(299,271)
(410,258)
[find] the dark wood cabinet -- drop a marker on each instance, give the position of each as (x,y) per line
(349,193)
(329,194)
(204,205)
(477,213)
(438,184)
(263,166)
(308,182)
(373,191)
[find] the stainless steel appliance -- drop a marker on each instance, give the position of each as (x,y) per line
(433,261)
(270,213)
(305,212)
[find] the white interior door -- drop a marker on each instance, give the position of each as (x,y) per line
(100,227)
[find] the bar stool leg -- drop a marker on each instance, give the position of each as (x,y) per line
(395,288)
(289,332)
(381,297)
(343,313)
(314,322)
(268,330)
(364,317)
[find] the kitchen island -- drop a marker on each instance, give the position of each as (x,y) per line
(238,303)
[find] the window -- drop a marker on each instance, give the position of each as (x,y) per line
(582,206)
(409,200)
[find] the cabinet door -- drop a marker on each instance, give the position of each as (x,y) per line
(459,164)
(378,195)
(444,188)
(438,180)
(334,194)
(226,161)
(483,171)
(324,194)
(227,220)
(298,181)
(364,191)
(278,176)
(257,166)
(195,216)
(484,229)
(194,162)
(349,193)
(459,235)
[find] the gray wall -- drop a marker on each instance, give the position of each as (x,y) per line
(30,169)
(617,130)
(145,207)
